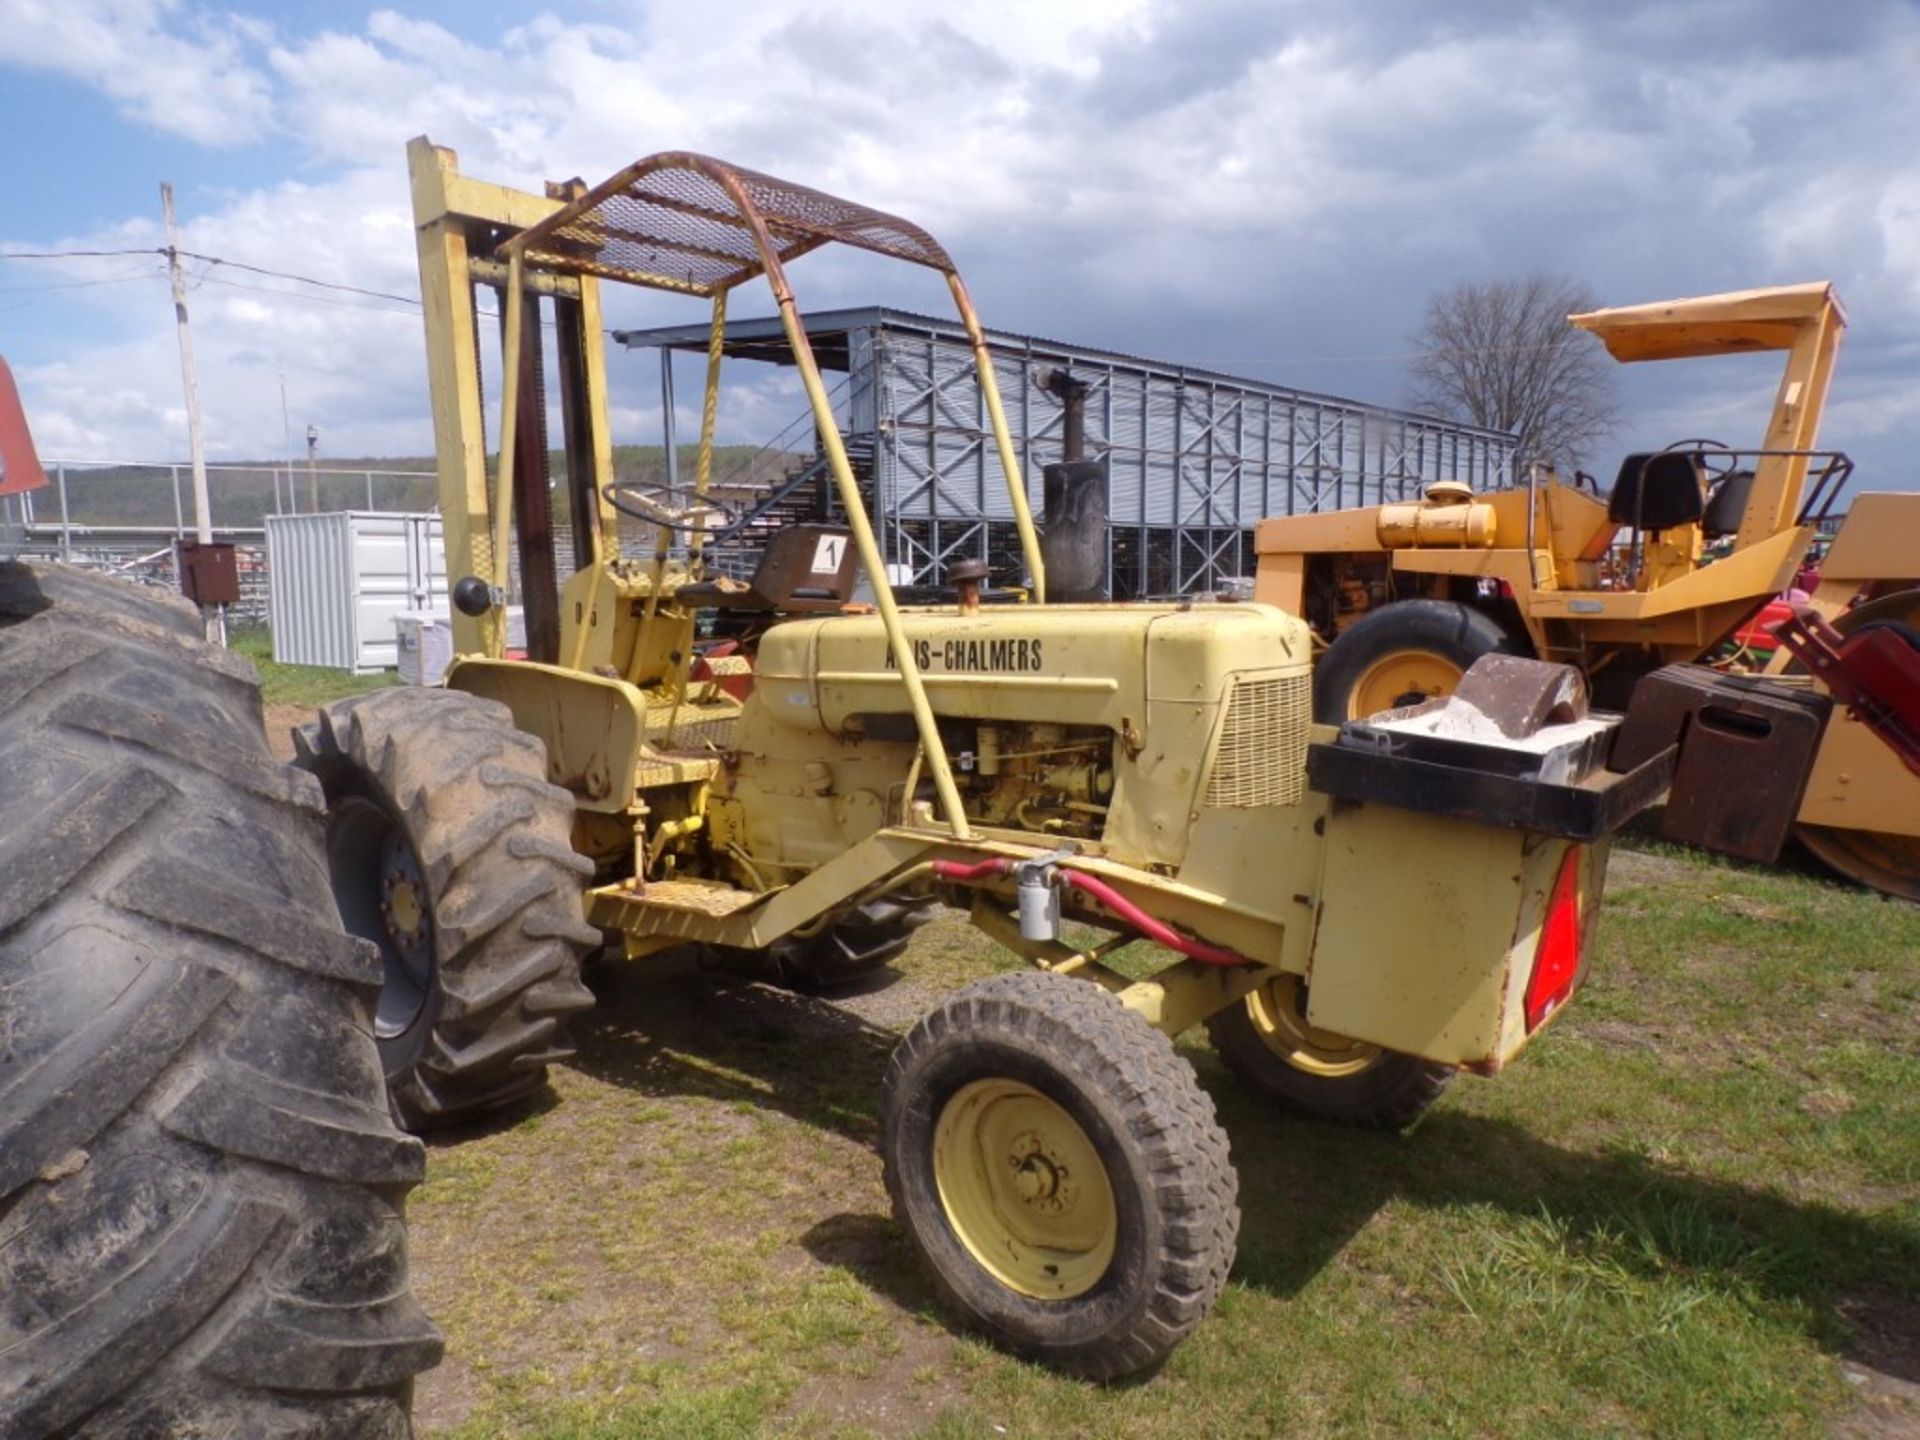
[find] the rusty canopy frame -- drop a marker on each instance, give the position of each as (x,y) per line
(694,225)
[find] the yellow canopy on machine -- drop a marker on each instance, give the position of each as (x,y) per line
(687,222)
(695,225)
(1770,319)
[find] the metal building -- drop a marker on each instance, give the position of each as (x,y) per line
(1193,457)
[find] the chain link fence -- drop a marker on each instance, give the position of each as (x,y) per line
(123,517)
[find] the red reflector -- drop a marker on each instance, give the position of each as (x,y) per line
(1556,963)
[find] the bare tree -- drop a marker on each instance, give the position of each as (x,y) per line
(1501,354)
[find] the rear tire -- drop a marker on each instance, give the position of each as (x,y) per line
(451,852)
(855,947)
(1268,1045)
(201,1191)
(1059,1172)
(1400,654)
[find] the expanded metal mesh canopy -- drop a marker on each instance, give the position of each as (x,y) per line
(686,222)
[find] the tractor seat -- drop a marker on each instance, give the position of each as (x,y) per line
(805,569)
(1657,491)
(1727,504)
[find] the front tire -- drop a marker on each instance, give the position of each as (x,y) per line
(450,851)
(1401,654)
(1269,1046)
(1059,1173)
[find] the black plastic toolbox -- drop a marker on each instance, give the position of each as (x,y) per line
(1593,807)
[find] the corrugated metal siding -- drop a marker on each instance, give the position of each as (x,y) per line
(1194,459)
(309,590)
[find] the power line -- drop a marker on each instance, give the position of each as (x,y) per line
(302,279)
(75,254)
(212,262)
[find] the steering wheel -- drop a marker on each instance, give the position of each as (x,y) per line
(638,500)
(1716,465)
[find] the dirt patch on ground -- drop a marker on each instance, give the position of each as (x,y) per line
(709,1164)
(282,720)
(1628,868)
(1618,1034)
(1884,1365)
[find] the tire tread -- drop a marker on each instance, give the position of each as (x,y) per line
(1112,1051)
(494,842)
(128,1249)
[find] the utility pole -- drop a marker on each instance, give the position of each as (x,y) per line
(196,443)
(313,474)
(286,428)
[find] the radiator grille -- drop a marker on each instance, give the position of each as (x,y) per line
(1262,759)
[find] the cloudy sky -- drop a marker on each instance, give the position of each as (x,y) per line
(1269,188)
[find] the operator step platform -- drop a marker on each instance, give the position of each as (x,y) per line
(1517,745)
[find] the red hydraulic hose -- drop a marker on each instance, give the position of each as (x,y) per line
(954,870)
(1153,929)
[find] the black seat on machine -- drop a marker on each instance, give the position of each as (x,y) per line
(805,569)
(1657,491)
(1727,503)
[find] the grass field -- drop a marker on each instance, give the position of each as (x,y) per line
(300,684)
(1693,1208)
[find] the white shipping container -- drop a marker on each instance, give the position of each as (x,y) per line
(336,581)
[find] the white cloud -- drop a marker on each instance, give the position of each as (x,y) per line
(170,66)
(1264,181)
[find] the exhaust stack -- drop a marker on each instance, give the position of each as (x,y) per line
(1073,536)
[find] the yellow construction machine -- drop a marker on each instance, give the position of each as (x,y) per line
(1689,543)
(1074,777)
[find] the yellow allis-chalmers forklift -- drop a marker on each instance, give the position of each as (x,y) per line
(1122,772)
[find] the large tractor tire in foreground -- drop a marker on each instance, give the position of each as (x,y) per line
(1268,1044)
(200,1186)
(1401,654)
(1059,1172)
(450,851)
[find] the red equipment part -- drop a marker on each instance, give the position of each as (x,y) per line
(19,464)
(723,665)
(1556,960)
(1874,672)
(1757,633)
(954,870)
(1155,930)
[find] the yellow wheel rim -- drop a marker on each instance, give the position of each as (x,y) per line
(1401,677)
(1278,1012)
(404,906)
(1024,1189)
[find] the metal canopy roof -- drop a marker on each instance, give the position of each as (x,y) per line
(690,223)
(762,338)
